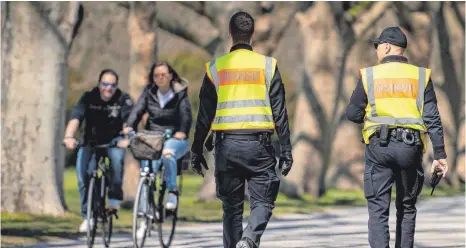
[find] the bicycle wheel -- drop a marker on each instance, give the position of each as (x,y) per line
(91,213)
(106,218)
(142,214)
(167,218)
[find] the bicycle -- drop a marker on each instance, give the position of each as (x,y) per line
(96,197)
(152,213)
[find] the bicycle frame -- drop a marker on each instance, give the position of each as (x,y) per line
(153,210)
(97,193)
(152,182)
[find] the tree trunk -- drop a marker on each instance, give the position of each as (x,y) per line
(328,37)
(452,83)
(143,52)
(207,191)
(312,124)
(35,42)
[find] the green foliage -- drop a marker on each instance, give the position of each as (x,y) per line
(358,8)
(188,65)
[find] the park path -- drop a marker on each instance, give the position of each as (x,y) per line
(441,223)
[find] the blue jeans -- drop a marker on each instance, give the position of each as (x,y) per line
(86,163)
(178,148)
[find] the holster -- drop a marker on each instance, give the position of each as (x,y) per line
(383,134)
(417,139)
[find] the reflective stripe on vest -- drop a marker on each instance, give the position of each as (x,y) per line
(395,121)
(243,114)
(392,120)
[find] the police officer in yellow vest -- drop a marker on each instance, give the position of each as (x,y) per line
(242,100)
(396,102)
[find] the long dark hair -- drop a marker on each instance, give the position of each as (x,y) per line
(170,70)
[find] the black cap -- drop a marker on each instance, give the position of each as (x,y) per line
(391,35)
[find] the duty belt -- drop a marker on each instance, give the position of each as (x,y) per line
(215,137)
(263,137)
(407,135)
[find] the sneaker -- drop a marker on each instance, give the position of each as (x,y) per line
(113,204)
(83,226)
(172,201)
(141,230)
(244,243)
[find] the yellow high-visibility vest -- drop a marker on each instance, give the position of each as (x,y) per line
(242,79)
(395,96)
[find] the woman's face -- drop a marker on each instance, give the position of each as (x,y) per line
(162,77)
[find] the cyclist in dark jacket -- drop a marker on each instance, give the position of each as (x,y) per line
(166,101)
(103,111)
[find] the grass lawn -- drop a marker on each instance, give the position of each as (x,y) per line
(29,229)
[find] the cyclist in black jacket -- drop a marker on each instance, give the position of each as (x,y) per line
(103,111)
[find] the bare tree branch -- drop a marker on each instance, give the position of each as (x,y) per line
(124,4)
(458,15)
(284,28)
(314,102)
(345,30)
(369,18)
(451,85)
(317,143)
(197,6)
(404,16)
(192,26)
(340,86)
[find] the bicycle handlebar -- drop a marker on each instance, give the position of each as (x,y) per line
(101,146)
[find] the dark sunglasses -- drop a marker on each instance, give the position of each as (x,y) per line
(106,84)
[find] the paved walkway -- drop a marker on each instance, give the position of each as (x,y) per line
(441,223)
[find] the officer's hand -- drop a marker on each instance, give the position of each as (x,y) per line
(70,143)
(196,161)
(442,165)
(285,163)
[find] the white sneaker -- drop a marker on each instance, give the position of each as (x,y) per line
(83,226)
(113,204)
(141,230)
(242,244)
(172,201)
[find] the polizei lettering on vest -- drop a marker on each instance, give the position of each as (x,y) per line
(395,88)
(390,87)
(239,76)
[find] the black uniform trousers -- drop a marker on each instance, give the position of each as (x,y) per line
(397,163)
(236,161)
